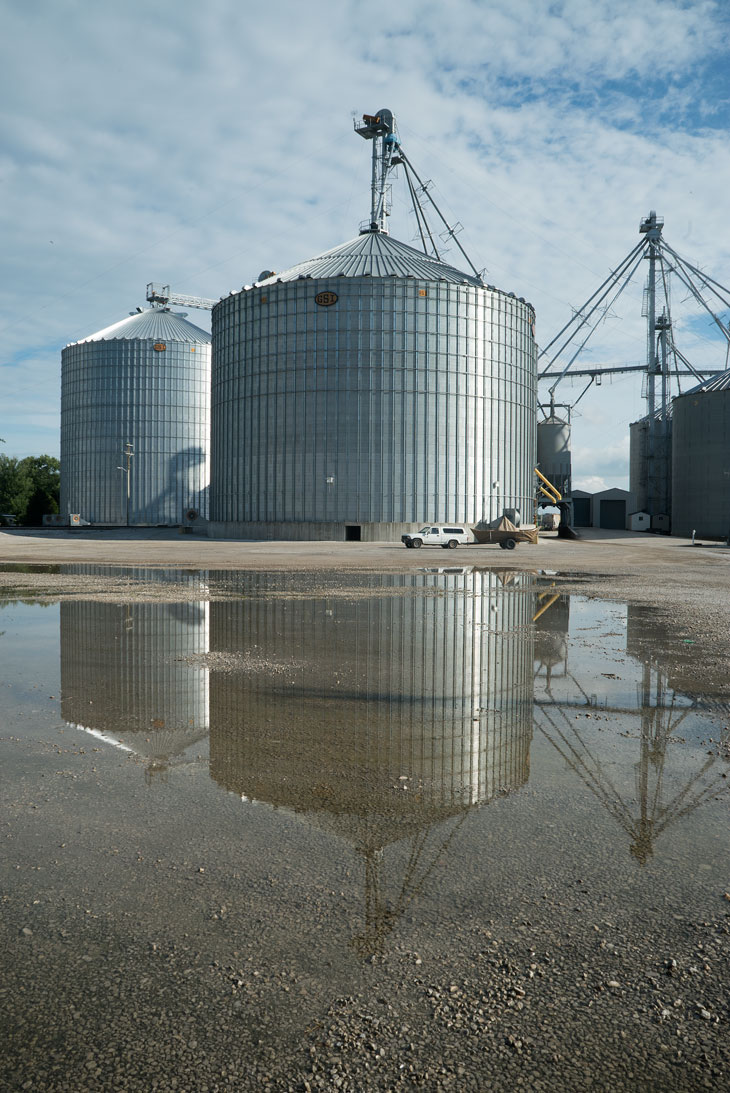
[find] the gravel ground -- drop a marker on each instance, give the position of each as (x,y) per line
(142,949)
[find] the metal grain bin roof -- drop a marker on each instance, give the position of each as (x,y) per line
(657,416)
(374,254)
(714,383)
(156,323)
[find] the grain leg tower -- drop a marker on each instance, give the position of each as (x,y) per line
(370,389)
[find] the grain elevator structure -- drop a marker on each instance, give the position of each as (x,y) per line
(371,388)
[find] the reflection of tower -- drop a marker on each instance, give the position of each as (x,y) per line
(660,711)
(124,676)
(381,715)
(552,621)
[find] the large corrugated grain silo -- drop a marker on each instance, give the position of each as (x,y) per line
(701,460)
(366,391)
(142,387)
(369,390)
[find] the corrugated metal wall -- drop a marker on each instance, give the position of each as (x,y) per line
(425,678)
(701,464)
(119,390)
(403,402)
(638,466)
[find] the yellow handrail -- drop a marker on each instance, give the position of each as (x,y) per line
(545,606)
(554,493)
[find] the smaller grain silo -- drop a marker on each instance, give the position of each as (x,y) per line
(701,460)
(650,462)
(135,422)
(553,451)
(638,466)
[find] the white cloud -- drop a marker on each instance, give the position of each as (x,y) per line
(592,483)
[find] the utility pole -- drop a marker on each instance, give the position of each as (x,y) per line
(127,468)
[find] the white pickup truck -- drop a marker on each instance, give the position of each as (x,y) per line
(438,535)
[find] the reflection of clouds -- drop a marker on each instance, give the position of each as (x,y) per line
(395,715)
(123,677)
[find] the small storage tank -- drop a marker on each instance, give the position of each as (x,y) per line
(553,452)
(141,385)
(701,460)
(638,467)
(367,391)
(650,473)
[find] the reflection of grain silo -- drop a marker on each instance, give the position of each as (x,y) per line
(377,715)
(552,622)
(124,677)
(368,389)
(701,460)
(427,677)
(142,386)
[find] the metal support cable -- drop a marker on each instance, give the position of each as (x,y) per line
(612,278)
(580,396)
(420,218)
(621,288)
(585,318)
(441,216)
(686,280)
(678,353)
(704,277)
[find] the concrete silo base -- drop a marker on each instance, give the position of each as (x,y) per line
(305,530)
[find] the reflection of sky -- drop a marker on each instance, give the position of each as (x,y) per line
(29,661)
(600,697)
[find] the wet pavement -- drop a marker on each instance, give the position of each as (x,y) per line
(451,829)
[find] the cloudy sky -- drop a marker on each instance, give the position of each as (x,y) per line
(197,144)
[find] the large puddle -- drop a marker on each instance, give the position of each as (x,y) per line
(446,830)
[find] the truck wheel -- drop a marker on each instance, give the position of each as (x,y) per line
(452,544)
(417,543)
(510,544)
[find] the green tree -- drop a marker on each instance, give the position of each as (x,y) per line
(29,487)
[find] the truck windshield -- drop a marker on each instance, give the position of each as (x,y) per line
(425,531)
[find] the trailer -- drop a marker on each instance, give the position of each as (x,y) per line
(506,534)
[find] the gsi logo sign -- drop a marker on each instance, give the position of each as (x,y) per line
(325,299)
